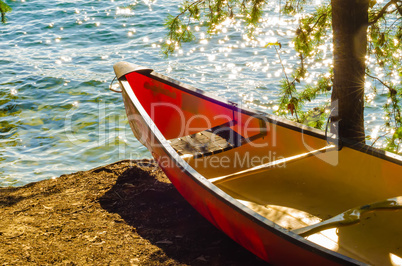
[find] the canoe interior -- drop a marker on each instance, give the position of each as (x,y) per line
(293,193)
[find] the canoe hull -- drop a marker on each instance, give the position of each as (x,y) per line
(262,237)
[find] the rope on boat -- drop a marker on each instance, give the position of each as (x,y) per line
(111,86)
(326,127)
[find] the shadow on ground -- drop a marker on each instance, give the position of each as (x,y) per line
(126,213)
(147,201)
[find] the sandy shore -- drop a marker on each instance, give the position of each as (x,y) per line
(126,213)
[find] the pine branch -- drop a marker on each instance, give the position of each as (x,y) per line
(187,8)
(289,84)
(174,24)
(396,111)
(382,82)
(398,7)
(318,20)
(4,8)
(391,27)
(383,11)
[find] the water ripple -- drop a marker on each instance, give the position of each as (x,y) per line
(56,113)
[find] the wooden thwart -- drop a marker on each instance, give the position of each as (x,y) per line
(264,167)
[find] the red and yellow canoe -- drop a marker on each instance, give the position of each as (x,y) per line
(284,191)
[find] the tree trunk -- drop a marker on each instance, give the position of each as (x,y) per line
(349,23)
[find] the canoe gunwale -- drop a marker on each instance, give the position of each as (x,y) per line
(217,192)
(343,142)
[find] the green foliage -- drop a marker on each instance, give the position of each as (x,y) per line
(310,35)
(313,32)
(4,8)
(209,13)
(293,100)
(179,32)
(255,12)
(385,51)
(316,117)
(293,7)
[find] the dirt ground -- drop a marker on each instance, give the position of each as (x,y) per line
(126,213)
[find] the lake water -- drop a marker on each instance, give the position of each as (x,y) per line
(57,115)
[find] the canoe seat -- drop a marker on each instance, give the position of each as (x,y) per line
(211,141)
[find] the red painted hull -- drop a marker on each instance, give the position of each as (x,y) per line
(262,237)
